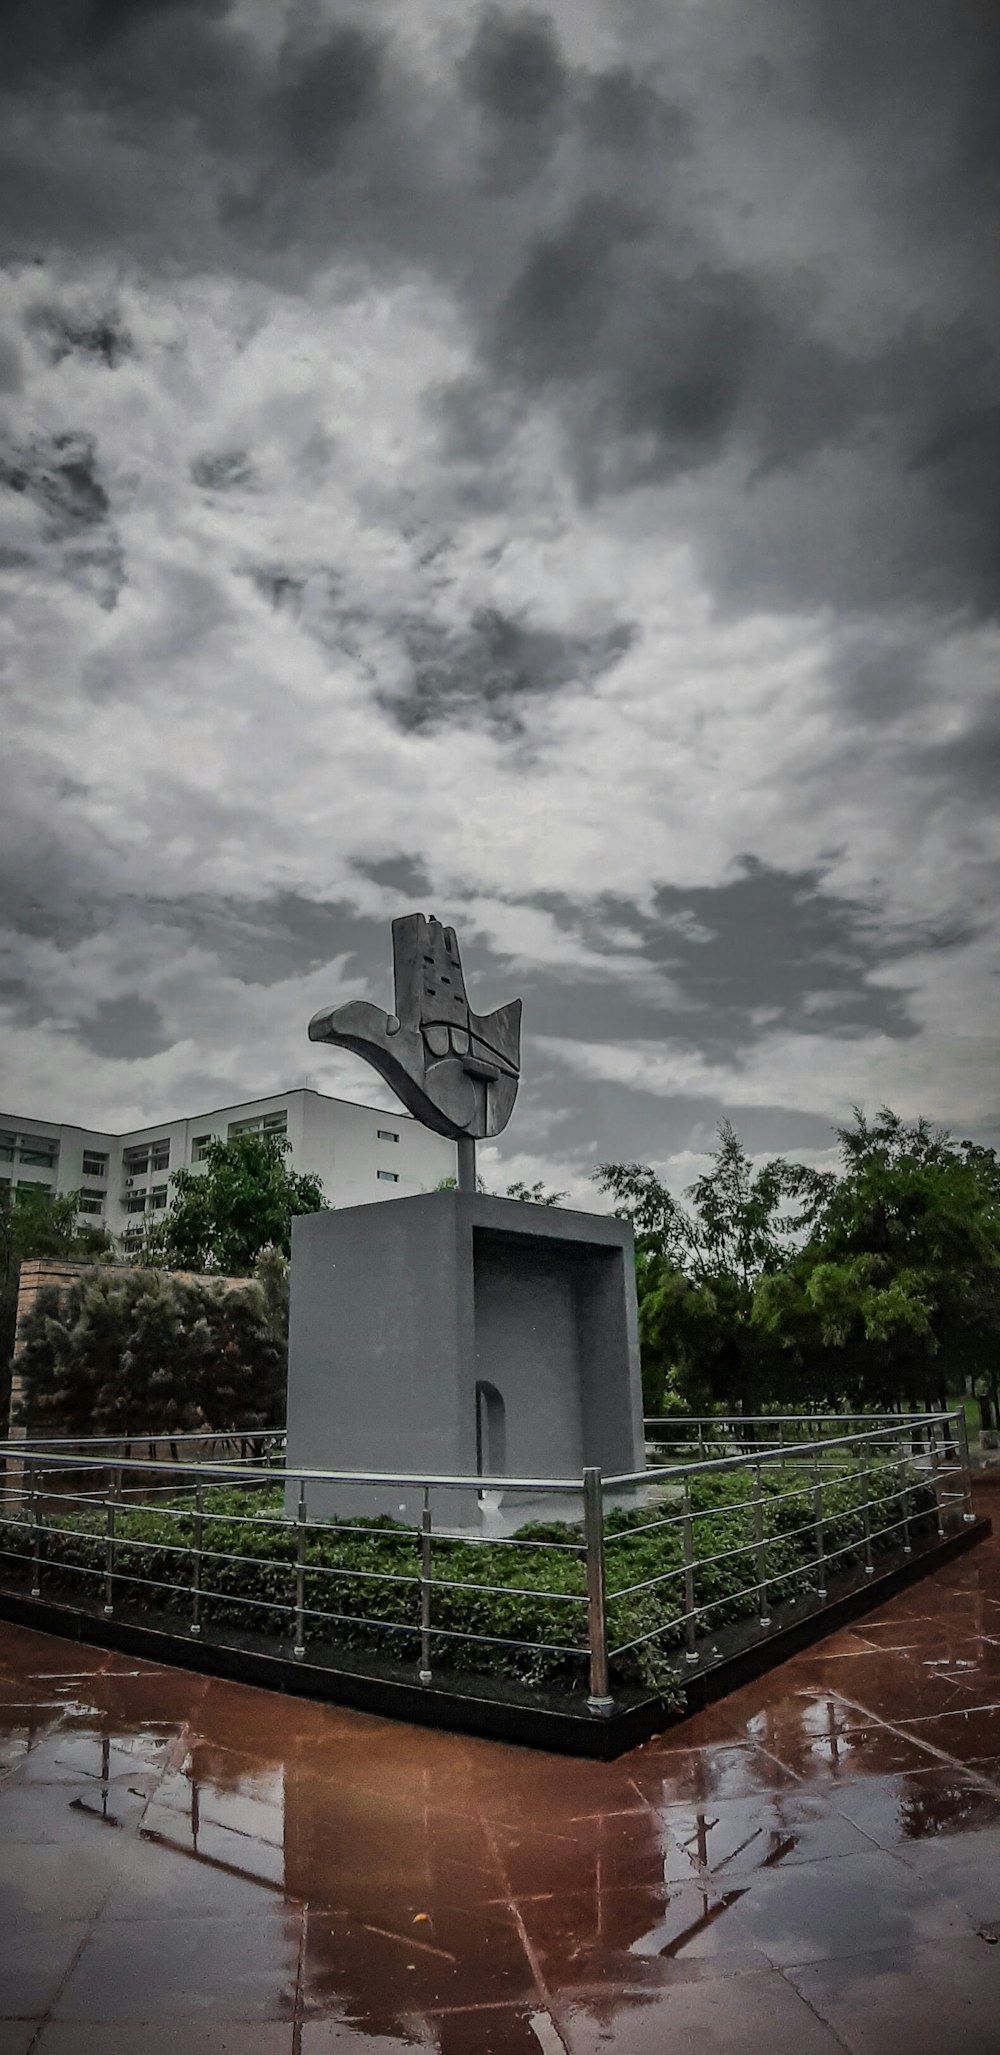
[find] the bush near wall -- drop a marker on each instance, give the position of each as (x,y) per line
(118,1348)
(247,1557)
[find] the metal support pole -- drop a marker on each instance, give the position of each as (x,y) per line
(865,1503)
(195,1627)
(110,1509)
(425,1589)
(36,1516)
(466,1163)
(819,1528)
(932,1448)
(299,1632)
(687,1550)
(904,1500)
(962,1438)
(600,1700)
(760,1549)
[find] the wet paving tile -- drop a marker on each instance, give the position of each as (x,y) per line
(759,2011)
(36,1957)
(159,1879)
(968,1735)
(931,1999)
(39,1814)
(238,1969)
(16,2036)
(857,1904)
(53,1882)
(460,1956)
(200,2037)
(664,1775)
(898,1812)
(965,1868)
(735,1836)
(468,2030)
(639,1937)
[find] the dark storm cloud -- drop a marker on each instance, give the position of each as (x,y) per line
(130,1027)
(323,90)
(483,671)
(223,470)
(770,952)
(515,77)
(584,217)
(60,476)
(62,332)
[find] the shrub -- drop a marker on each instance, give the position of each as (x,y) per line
(117,1349)
(367,1573)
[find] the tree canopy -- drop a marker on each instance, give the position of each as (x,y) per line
(243,1201)
(876,1282)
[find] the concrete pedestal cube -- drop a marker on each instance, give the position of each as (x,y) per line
(458,1335)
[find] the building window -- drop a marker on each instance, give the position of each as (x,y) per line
(8,1144)
(199,1147)
(33,1184)
(386,1134)
(387,1176)
(38,1152)
(158,1197)
(135,1205)
(261,1124)
(91,1202)
(145,1156)
(94,1165)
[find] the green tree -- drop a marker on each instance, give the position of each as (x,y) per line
(37,1223)
(244,1201)
(698,1267)
(895,1294)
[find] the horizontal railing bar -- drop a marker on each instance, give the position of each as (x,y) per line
(232,1473)
(747,1460)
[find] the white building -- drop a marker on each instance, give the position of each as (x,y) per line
(358,1152)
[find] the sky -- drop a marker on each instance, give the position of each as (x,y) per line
(539,467)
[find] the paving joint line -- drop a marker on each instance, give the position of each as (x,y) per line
(990,1784)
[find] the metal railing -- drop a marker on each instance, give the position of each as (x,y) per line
(635,1570)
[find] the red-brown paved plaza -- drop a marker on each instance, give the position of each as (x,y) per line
(812,1865)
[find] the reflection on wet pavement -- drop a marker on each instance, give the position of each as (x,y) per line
(811,1864)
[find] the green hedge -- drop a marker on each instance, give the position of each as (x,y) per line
(531,1585)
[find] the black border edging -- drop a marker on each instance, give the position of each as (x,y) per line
(573,1731)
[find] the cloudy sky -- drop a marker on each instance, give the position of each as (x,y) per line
(537,466)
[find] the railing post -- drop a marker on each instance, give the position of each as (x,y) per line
(865,1503)
(36,1516)
(932,1449)
(600,1700)
(299,1631)
(110,1509)
(763,1616)
(904,1500)
(425,1588)
(819,1527)
(687,1549)
(962,1451)
(195,1626)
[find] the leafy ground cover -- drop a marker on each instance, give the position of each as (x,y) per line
(515,1612)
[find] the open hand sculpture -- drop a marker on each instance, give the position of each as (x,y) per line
(455,1070)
